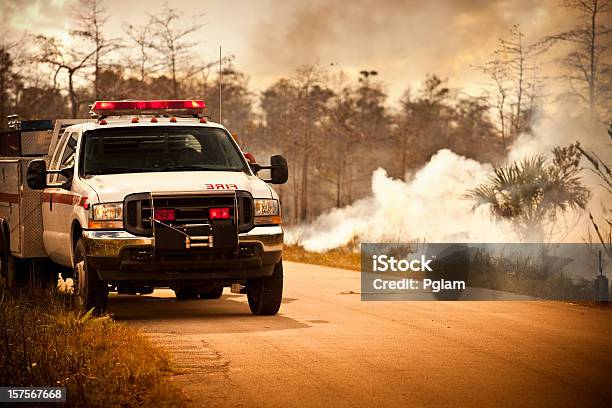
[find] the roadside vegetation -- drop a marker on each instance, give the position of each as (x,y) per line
(46,342)
(525,276)
(343,257)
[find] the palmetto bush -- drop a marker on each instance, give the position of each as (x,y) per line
(531,193)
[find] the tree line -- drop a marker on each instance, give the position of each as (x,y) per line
(334,129)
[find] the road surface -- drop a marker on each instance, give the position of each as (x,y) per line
(327,348)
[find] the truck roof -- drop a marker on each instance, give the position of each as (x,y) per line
(143,121)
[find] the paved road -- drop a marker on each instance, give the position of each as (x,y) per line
(327,348)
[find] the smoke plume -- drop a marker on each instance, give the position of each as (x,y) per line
(429,206)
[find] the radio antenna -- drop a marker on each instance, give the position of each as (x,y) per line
(220,86)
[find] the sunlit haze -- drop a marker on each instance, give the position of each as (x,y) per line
(402,40)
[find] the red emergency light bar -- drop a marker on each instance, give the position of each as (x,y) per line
(161,107)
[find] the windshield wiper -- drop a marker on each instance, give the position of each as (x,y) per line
(179,167)
(116,170)
(197,167)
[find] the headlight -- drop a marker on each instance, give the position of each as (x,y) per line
(266,207)
(267,211)
(106,216)
(107,211)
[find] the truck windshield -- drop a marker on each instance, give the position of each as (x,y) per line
(156,149)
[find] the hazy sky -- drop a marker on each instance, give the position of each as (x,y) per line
(402,40)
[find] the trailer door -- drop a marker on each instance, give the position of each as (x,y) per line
(10,200)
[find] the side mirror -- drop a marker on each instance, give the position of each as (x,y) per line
(36,175)
(278,169)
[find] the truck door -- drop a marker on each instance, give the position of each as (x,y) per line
(57,203)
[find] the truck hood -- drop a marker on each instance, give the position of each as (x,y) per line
(114,187)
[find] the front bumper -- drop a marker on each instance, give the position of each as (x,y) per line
(120,256)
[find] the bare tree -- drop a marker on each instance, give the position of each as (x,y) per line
(141,36)
(311,98)
(172,43)
(345,123)
(90,16)
(279,108)
(6,75)
(514,78)
(60,58)
(497,72)
(424,120)
(296,113)
(604,173)
(588,69)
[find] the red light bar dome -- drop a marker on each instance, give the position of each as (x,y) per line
(180,106)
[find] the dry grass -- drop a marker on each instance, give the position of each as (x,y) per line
(521,277)
(344,258)
(526,276)
(102,363)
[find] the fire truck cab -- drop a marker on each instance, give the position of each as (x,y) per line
(148,194)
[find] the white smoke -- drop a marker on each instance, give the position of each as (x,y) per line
(560,129)
(429,206)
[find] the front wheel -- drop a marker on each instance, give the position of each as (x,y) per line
(266,293)
(90,291)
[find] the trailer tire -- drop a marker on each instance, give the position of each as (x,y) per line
(265,294)
(11,275)
(212,294)
(89,290)
(186,293)
(5,253)
(10,267)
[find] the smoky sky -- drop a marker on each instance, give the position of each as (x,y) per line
(402,40)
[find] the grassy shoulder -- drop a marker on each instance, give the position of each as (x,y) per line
(338,258)
(45,342)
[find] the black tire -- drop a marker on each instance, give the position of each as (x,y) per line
(17,272)
(186,293)
(89,290)
(13,272)
(265,294)
(212,294)
(14,277)
(8,263)
(147,290)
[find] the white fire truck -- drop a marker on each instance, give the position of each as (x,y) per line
(148,194)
